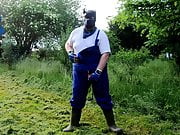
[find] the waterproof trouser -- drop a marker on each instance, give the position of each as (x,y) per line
(81,85)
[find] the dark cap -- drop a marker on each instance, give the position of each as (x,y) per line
(90,14)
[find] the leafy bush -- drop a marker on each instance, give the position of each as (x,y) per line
(114,41)
(10,53)
(132,57)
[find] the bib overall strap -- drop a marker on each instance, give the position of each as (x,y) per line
(96,40)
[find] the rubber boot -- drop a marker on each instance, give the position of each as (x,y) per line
(111,122)
(74,122)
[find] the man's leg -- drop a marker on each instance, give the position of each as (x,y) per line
(74,122)
(111,122)
(103,99)
(80,90)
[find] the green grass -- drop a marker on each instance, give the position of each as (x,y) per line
(47,75)
(27,110)
(152,88)
(34,99)
(3,68)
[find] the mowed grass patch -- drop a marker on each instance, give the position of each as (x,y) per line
(25,110)
(30,111)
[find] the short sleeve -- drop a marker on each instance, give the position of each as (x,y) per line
(70,39)
(104,45)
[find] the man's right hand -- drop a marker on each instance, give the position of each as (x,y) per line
(73,57)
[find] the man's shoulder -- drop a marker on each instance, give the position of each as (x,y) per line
(102,33)
(78,29)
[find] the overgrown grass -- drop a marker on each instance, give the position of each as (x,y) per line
(3,68)
(47,75)
(146,97)
(28,110)
(152,88)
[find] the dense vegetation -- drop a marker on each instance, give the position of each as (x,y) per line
(151,23)
(35,86)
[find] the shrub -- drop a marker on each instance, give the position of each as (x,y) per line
(10,53)
(133,57)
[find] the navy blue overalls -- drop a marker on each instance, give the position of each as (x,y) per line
(89,59)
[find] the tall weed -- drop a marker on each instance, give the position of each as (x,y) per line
(49,75)
(151,88)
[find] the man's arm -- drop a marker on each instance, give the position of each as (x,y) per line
(102,63)
(103,60)
(68,47)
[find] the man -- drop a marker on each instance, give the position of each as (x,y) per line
(88,49)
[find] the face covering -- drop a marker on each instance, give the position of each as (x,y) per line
(89,23)
(90,19)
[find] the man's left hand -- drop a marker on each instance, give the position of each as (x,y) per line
(95,76)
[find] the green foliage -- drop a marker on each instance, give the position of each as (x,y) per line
(152,88)
(46,54)
(10,52)
(3,68)
(148,88)
(63,54)
(158,19)
(163,83)
(125,37)
(29,21)
(114,41)
(51,75)
(132,57)
(55,52)
(35,111)
(31,111)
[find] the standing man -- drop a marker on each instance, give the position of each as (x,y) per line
(88,49)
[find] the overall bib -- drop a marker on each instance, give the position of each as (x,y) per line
(89,59)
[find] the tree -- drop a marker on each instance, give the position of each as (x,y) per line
(127,37)
(29,20)
(158,18)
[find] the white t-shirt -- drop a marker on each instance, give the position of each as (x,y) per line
(79,43)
